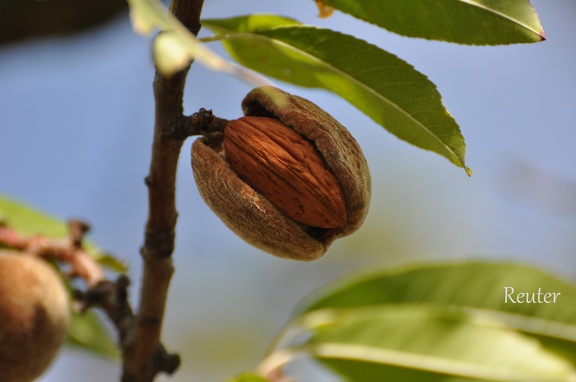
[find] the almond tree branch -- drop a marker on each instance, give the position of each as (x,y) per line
(143,354)
(67,250)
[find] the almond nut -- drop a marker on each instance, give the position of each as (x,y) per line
(287,178)
(285,168)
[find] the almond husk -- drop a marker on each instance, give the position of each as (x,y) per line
(253,217)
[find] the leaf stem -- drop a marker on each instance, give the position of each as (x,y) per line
(218,37)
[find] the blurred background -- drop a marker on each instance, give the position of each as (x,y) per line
(76,116)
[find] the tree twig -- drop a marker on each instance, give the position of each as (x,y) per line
(143,354)
(68,250)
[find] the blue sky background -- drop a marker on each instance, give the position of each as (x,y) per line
(75,134)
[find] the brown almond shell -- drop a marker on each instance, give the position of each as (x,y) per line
(247,213)
(255,219)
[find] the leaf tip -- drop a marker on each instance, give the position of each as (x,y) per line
(542,35)
(139,25)
(324,10)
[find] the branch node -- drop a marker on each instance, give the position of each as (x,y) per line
(76,231)
(148,181)
(158,243)
(203,122)
(167,362)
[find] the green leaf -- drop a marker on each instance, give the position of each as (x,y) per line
(475,286)
(176,46)
(442,322)
(478,22)
(248,377)
(29,221)
(384,87)
(422,342)
(86,330)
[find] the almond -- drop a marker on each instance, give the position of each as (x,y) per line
(287,177)
(287,169)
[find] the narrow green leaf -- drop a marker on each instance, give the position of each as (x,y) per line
(87,332)
(384,87)
(248,377)
(176,46)
(147,15)
(426,343)
(478,286)
(29,221)
(108,261)
(478,22)
(443,322)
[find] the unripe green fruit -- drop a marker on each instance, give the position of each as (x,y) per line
(34,315)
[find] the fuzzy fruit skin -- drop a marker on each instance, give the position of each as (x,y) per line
(253,217)
(34,316)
